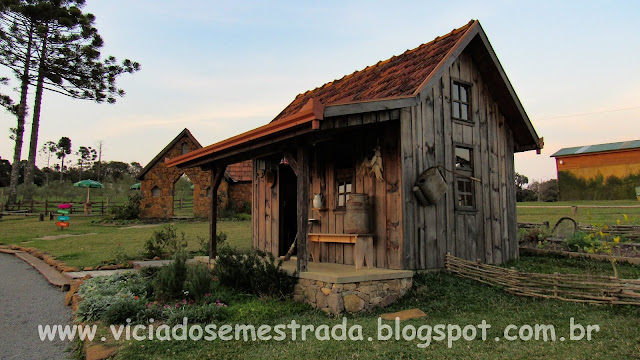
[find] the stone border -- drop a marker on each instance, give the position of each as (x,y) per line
(50,260)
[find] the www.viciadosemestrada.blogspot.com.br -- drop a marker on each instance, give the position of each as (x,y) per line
(424,335)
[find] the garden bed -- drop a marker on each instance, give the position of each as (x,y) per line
(575,254)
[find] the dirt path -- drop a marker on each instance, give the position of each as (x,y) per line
(139,226)
(56,237)
(26,301)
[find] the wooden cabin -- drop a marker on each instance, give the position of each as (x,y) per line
(446,104)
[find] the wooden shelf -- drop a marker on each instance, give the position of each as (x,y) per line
(320,209)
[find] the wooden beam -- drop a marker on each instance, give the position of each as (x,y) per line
(293,162)
(303,206)
(369,106)
(217,174)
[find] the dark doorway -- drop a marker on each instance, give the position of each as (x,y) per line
(287,187)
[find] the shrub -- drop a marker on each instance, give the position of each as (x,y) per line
(254,272)
(221,239)
(126,307)
(100,293)
(246,208)
(199,280)
(120,256)
(243,217)
(597,188)
(198,314)
(91,309)
(533,235)
(129,211)
(548,191)
(577,242)
(164,240)
(596,242)
(169,281)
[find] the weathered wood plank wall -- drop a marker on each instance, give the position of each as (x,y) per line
(265,209)
(428,138)
(385,196)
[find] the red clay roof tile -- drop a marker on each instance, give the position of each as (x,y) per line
(398,76)
(240,171)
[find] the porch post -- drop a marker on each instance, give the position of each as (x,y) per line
(303,206)
(217,173)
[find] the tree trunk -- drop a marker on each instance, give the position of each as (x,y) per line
(22,114)
(35,123)
(61,167)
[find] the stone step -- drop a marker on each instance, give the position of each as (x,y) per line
(53,276)
(154,263)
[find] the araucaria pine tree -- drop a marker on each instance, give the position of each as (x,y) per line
(63,56)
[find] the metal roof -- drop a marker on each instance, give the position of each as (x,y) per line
(624,145)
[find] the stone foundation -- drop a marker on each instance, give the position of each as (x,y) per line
(350,297)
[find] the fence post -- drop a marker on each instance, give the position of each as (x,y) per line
(555,285)
(46,206)
(31,208)
(102,207)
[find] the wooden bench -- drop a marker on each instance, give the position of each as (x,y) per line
(363,246)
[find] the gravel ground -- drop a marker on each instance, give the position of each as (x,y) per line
(26,301)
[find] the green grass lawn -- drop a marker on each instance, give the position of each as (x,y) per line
(446,299)
(93,250)
(541,212)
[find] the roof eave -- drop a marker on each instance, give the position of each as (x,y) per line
(310,114)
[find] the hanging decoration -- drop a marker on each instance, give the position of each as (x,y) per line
(373,166)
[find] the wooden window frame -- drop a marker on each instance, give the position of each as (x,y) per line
(343,172)
(463,177)
(458,103)
(347,182)
(346,177)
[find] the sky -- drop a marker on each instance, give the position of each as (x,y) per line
(222,68)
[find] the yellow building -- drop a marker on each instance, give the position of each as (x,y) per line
(599,172)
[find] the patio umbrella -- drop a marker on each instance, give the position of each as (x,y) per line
(135,186)
(88,184)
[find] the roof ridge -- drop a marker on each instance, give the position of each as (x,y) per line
(394,57)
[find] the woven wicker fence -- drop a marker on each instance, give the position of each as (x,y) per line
(567,287)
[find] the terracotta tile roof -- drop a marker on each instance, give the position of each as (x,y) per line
(240,171)
(399,76)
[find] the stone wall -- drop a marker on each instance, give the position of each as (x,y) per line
(239,194)
(350,297)
(164,178)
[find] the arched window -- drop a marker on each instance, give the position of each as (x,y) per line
(209,192)
(156,192)
(185,148)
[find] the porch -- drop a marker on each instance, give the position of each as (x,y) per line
(343,274)
(337,288)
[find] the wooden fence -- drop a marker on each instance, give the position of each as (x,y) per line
(36,207)
(566,287)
